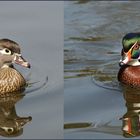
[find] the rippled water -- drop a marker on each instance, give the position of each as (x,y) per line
(94,100)
(38,28)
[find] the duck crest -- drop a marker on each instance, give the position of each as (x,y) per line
(130,39)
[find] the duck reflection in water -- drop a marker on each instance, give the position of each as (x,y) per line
(131,119)
(11,125)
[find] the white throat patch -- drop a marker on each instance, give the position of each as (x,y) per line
(134,63)
(5,66)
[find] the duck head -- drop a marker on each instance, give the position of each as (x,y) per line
(10,53)
(131,50)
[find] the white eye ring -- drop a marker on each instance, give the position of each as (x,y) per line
(5,51)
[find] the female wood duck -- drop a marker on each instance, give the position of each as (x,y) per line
(10,79)
(129,72)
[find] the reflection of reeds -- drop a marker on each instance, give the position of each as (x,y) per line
(99,75)
(76,61)
(106,128)
(104,77)
(76,125)
(94,39)
(82,1)
(79,73)
(77,76)
(87,38)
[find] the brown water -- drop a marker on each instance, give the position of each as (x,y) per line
(38,28)
(96,105)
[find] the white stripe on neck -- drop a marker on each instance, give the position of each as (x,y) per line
(5,66)
(134,63)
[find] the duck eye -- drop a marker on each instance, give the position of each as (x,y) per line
(8,51)
(136,47)
(10,130)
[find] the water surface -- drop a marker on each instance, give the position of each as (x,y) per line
(96,105)
(38,28)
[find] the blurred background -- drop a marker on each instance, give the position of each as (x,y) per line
(38,27)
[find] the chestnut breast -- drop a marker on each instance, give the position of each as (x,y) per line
(11,80)
(130,75)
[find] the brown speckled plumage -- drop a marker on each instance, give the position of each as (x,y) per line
(130,75)
(11,80)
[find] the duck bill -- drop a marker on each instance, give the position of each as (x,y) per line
(126,58)
(21,121)
(18,59)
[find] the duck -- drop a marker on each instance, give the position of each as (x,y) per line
(11,124)
(11,80)
(129,72)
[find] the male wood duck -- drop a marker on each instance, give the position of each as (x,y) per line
(10,79)
(129,72)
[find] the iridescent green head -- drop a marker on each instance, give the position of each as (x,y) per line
(131,49)
(129,40)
